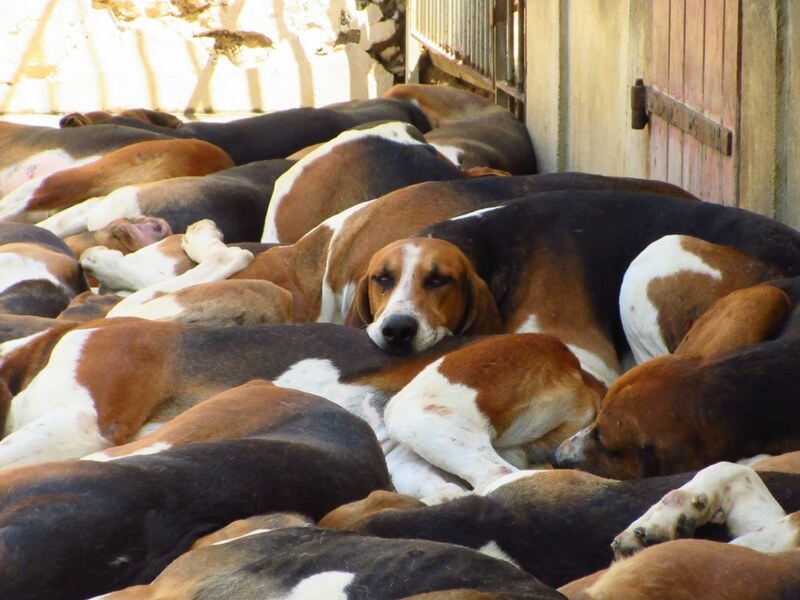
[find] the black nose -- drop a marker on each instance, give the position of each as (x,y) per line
(398,331)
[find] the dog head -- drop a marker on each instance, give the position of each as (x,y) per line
(417,291)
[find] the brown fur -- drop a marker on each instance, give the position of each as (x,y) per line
(136,163)
(682,298)
(688,569)
(126,235)
(154,117)
(349,516)
(742,317)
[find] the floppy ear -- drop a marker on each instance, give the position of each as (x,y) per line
(481,315)
(360,313)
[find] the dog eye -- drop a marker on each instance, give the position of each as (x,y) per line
(383,280)
(437,281)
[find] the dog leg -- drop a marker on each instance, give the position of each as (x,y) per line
(413,476)
(440,421)
(62,434)
(71,220)
(122,202)
(114,272)
(722,493)
(220,264)
(779,536)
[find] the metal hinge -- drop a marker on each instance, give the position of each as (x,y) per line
(646,101)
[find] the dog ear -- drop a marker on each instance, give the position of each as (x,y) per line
(481,315)
(360,313)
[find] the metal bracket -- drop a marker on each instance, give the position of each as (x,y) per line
(646,101)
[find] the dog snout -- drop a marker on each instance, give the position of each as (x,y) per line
(398,332)
(570,453)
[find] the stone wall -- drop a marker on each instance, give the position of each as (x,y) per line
(195,55)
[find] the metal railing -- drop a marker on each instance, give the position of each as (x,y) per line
(481,41)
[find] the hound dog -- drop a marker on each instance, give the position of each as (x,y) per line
(672,282)
(235,199)
(135,163)
(106,410)
(32,151)
(306,562)
(471,130)
(280,133)
(741,396)
(478,413)
(764,555)
(553,263)
(125,235)
(357,165)
(144,511)
(145,115)
(38,272)
(523,513)
(322,268)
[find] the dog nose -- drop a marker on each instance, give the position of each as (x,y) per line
(561,460)
(399,331)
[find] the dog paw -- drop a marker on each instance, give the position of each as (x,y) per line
(677,515)
(444,494)
(200,239)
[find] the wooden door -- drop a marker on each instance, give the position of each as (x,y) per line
(695,61)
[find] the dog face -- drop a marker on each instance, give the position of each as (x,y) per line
(417,291)
(644,428)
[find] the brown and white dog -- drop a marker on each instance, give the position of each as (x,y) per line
(763,554)
(186,364)
(672,282)
(135,163)
(357,165)
(39,275)
(726,394)
(470,130)
(235,199)
(572,514)
(323,268)
(553,263)
(307,562)
(277,134)
(34,152)
(144,511)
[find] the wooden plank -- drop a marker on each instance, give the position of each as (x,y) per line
(677,39)
(712,94)
(660,80)
(694,45)
(731,98)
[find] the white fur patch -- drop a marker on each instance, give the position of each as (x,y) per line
(319,376)
(476,213)
(330,585)
(495,551)
(71,220)
(104,457)
(122,202)
(451,153)
(15,268)
(46,425)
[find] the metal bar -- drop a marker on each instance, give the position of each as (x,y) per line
(647,101)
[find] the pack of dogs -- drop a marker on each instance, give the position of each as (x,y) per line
(367,351)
